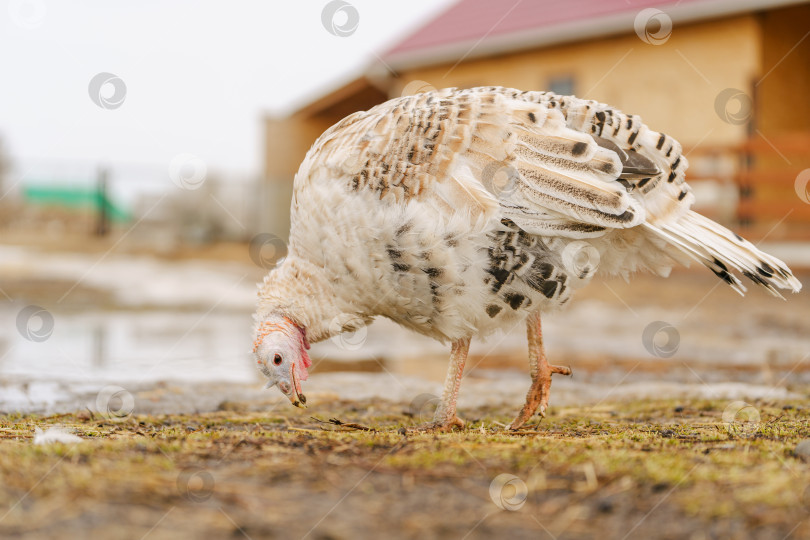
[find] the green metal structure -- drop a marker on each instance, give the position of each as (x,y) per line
(75,197)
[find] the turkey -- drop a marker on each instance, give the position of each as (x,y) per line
(456,213)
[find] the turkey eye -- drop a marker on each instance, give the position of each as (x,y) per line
(277,359)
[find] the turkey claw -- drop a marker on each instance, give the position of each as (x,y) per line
(445,426)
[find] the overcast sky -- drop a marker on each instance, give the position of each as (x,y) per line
(198,75)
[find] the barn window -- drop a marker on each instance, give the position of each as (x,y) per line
(561,84)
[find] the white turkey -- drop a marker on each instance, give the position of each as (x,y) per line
(459,212)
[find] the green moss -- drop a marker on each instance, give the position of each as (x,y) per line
(641,449)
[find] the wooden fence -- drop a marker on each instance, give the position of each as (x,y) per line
(772,176)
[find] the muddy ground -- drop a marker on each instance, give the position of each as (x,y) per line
(652,469)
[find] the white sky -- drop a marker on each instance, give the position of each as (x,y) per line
(199,75)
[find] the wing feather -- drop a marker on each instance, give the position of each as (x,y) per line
(557,176)
(554,165)
(456,146)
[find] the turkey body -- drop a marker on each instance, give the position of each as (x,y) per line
(437,274)
(459,212)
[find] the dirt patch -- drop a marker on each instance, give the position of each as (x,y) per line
(638,470)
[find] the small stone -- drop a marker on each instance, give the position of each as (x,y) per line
(668,433)
(604,506)
(679,409)
(802,450)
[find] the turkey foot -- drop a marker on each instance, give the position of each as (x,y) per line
(538,393)
(541,372)
(443,426)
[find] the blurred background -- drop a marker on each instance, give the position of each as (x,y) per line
(147,158)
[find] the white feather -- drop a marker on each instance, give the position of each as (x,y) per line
(55,435)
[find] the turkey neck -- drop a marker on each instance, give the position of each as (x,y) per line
(297,290)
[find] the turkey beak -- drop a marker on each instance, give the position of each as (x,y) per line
(290,388)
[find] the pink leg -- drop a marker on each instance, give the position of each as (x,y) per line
(541,372)
(445,418)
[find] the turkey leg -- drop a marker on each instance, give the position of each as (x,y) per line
(541,372)
(445,419)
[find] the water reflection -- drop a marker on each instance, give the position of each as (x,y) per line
(209,350)
(139,346)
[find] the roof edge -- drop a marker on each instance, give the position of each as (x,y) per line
(333,92)
(613,24)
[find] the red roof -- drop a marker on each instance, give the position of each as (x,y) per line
(471,25)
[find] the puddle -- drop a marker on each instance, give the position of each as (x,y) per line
(186,361)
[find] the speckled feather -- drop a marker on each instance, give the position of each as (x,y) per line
(458,212)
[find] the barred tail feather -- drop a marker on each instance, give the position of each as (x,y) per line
(724,252)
